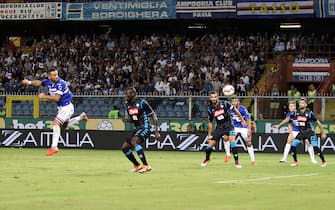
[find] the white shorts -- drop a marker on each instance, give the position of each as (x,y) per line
(64,113)
(243,132)
(295,133)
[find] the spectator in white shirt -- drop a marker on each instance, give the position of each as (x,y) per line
(246,80)
(241,88)
(217,84)
(226,73)
(159,85)
(188,43)
(253,57)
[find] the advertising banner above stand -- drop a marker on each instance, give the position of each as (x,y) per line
(120,10)
(275,9)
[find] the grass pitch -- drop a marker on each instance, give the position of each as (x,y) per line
(99,179)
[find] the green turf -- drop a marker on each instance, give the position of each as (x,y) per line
(92,179)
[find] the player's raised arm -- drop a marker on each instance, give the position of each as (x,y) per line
(55,98)
(155,121)
(210,129)
(33,82)
(243,122)
(323,131)
(284,121)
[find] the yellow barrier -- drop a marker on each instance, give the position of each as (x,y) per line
(10,99)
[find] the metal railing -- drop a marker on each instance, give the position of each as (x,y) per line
(263,107)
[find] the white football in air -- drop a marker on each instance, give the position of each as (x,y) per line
(228,90)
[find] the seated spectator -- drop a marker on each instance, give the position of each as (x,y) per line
(189,43)
(207,86)
(191,128)
(159,86)
(121,90)
(203,127)
(241,88)
(195,112)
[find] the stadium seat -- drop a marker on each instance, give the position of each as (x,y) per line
(169,108)
(27,113)
(17,110)
(180,114)
(43,113)
(178,108)
(162,114)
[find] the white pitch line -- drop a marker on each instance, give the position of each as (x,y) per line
(277,184)
(266,178)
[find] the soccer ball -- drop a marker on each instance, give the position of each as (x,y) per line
(228,90)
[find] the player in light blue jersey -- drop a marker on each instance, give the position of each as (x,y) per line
(293,129)
(59,93)
(243,131)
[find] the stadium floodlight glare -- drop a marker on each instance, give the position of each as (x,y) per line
(290,25)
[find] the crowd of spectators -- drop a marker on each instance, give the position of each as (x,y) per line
(167,64)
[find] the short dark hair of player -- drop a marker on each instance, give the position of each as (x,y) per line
(51,70)
(234,97)
(132,91)
(303,99)
(212,92)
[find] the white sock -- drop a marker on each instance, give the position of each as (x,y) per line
(55,136)
(74,120)
(286,151)
(251,153)
(310,150)
(227,147)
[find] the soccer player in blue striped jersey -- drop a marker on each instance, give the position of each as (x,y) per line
(59,93)
(243,130)
(293,129)
(139,112)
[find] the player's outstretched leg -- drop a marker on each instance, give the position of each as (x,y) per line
(251,152)
(235,154)
(294,152)
(55,138)
(320,154)
(227,150)
(140,152)
(129,154)
(310,150)
(287,148)
(82,116)
(285,153)
(208,151)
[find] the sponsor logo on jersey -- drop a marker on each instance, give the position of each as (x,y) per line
(133,111)
(302,118)
(218,112)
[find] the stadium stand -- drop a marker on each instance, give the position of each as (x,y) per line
(168,64)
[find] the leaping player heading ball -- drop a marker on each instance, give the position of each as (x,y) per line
(59,93)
